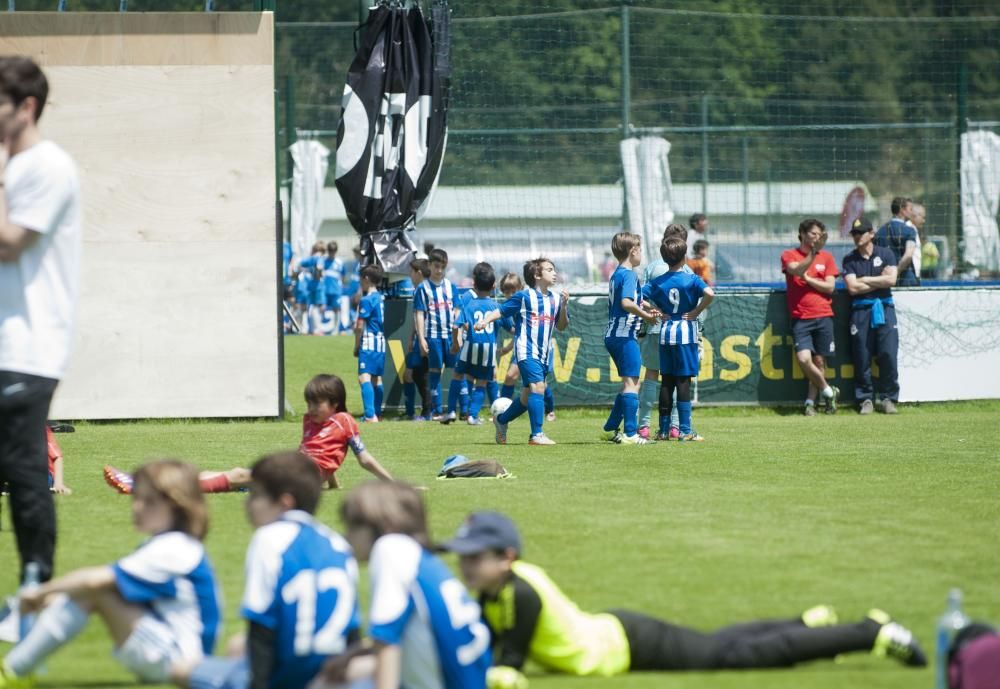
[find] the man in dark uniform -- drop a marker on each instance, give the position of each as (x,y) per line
(870,272)
(900,237)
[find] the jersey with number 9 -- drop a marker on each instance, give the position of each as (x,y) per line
(301,584)
(419,605)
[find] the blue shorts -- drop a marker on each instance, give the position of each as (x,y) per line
(815,335)
(680,361)
(439,354)
(372,363)
(414,359)
(626,354)
(461,367)
(480,373)
(333,301)
(532,371)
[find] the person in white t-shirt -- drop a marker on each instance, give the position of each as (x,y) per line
(40,239)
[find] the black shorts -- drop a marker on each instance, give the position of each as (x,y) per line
(658,645)
(815,335)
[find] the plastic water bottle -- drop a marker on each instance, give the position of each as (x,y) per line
(32,580)
(948,625)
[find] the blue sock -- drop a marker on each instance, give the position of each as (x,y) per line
(550,400)
(536,411)
(435,386)
(454,392)
(410,397)
(476,403)
(492,391)
(507,391)
(379,396)
(684,414)
(649,393)
(616,414)
(368,399)
(513,411)
(463,397)
(630,405)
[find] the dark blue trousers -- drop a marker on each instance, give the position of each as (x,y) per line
(882,344)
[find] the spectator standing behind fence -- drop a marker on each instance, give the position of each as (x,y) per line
(699,228)
(40,246)
(900,237)
(700,264)
(810,276)
(870,273)
(918,216)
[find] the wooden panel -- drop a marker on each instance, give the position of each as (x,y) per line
(170,118)
(139,38)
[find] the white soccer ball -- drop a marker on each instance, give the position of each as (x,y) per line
(499,406)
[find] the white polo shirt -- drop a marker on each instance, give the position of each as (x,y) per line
(38,291)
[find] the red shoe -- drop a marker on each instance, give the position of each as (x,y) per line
(118,479)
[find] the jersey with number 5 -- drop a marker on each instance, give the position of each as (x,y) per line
(301,584)
(420,606)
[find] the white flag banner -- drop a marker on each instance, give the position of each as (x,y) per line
(648,189)
(981,198)
(311,160)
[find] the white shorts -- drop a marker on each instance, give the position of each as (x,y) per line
(149,651)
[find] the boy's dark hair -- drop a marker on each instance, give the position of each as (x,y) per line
(808,224)
(623,243)
(695,219)
(700,244)
(21,78)
(533,268)
(899,203)
(387,507)
(331,247)
(422,266)
(511,282)
(438,256)
(675,230)
(484,278)
(290,473)
(373,274)
(326,387)
(673,250)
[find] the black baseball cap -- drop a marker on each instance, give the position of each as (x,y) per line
(861,225)
(484,531)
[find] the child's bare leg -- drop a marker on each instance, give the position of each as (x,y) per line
(224,481)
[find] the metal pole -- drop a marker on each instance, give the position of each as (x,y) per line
(704,153)
(746,184)
(289,138)
(767,195)
(626,72)
(10,5)
(961,127)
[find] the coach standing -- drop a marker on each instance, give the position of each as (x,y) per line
(40,246)
(870,273)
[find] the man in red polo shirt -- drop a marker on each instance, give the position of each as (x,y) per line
(810,274)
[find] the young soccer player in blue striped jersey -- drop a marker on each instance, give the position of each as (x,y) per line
(477,349)
(433,305)
(458,390)
(415,375)
(300,598)
(426,630)
(369,342)
(681,297)
(535,310)
(625,314)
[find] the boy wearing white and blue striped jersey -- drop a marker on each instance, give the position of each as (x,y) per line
(160,603)
(681,297)
(458,390)
(433,317)
(625,314)
(477,349)
(300,598)
(369,342)
(536,310)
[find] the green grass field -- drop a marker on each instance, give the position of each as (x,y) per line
(775,513)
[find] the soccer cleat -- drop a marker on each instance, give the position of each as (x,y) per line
(541,439)
(8,680)
(644,432)
(887,406)
(633,440)
(473,421)
(810,410)
(661,436)
(373,419)
(896,641)
(691,437)
(437,417)
(613,436)
(449,417)
(675,433)
(831,402)
(551,416)
(118,479)
(820,616)
(501,431)
(866,407)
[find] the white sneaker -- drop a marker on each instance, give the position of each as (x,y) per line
(541,439)
(633,440)
(449,417)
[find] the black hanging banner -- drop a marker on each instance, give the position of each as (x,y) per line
(394,128)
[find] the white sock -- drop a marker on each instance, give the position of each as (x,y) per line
(809,402)
(827,392)
(57,624)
